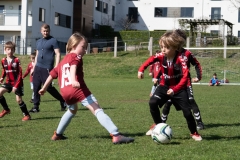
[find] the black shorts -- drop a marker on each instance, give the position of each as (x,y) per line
(9,87)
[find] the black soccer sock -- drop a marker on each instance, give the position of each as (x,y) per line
(4,103)
(165,111)
(196,111)
(23,107)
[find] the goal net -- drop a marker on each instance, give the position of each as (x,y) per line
(212,61)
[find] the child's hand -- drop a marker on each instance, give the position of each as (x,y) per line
(150,74)
(170,92)
(195,79)
(41,92)
(140,75)
(155,81)
(75,84)
(1,80)
(14,89)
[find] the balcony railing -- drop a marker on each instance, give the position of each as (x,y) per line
(10,18)
(216,16)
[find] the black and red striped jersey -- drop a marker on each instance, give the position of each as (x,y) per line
(191,59)
(12,71)
(174,75)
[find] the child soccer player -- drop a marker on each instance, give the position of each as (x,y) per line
(153,71)
(30,70)
(214,81)
(73,89)
(11,69)
(189,59)
(173,83)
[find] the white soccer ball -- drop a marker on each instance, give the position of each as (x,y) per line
(162,133)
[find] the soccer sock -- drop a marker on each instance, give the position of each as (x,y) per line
(106,122)
(23,107)
(197,117)
(4,103)
(32,95)
(164,118)
(64,122)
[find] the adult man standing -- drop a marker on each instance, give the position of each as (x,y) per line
(47,49)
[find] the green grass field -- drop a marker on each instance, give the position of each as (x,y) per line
(124,98)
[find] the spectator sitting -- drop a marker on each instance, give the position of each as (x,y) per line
(214,81)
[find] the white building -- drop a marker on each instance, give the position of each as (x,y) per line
(163,15)
(20,21)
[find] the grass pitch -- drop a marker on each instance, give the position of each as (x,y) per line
(124,98)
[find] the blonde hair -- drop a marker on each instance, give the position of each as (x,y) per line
(171,39)
(74,40)
(45,26)
(10,44)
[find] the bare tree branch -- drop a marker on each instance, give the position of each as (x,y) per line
(125,23)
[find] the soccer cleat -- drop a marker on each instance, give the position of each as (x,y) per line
(26,118)
(118,139)
(200,126)
(196,136)
(4,112)
(34,110)
(56,137)
(63,106)
(149,132)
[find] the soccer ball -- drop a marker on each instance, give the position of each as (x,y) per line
(162,133)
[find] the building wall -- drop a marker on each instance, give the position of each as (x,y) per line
(202,9)
(87,14)
(101,18)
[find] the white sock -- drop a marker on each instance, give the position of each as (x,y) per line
(65,120)
(106,122)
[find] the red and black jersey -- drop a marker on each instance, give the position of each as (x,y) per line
(12,71)
(28,70)
(191,59)
(155,68)
(175,75)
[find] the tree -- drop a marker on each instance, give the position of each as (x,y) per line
(125,23)
(235,3)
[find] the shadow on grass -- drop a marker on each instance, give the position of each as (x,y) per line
(49,100)
(84,108)
(124,54)
(45,118)
(10,126)
(217,137)
(212,125)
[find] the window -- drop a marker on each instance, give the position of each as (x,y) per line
(187,12)
(1,39)
(1,15)
(1,8)
(83,25)
(239,15)
(98,5)
(238,34)
(105,8)
(113,13)
(41,14)
(160,12)
(62,46)
(216,13)
(62,20)
(214,32)
(133,14)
